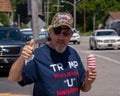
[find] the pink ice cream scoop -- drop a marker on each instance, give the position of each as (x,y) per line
(91,61)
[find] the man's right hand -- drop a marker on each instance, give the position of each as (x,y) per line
(28,50)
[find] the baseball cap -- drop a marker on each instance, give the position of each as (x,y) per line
(62,18)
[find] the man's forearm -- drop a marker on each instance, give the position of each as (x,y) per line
(16,70)
(86,86)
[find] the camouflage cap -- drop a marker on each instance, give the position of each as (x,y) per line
(62,18)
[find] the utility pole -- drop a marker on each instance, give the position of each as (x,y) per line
(84,15)
(58,8)
(74,6)
(94,17)
(58,5)
(18,20)
(47,12)
(75,14)
(35,25)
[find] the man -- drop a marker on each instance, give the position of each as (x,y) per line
(56,68)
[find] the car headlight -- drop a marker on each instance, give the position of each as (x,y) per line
(118,40)
(77,36)
(99,40)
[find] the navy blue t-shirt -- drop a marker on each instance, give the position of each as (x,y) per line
(54,74)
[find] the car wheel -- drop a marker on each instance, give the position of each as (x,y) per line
(74,42)
(78,42)
(95,46)
(90,46)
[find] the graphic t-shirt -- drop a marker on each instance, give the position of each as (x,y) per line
(54,74)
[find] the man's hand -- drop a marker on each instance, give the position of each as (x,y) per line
(28,50)
(90,78)
(91,75)
(15,73)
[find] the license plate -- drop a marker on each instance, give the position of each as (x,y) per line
(109,45)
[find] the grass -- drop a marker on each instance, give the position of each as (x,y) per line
(86,33)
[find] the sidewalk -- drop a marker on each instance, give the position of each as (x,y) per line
(9,94)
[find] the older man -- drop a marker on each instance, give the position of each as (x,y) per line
(56,68)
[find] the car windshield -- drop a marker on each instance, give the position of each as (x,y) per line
(75,31)
(106,33)
(28,35)
(12,34)
(42,34)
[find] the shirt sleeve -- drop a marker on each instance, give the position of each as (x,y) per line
(29,72)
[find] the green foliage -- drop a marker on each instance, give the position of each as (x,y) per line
(4,19)
(21,9)
(97,8)
(86,33)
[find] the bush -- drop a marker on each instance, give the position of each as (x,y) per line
(4,19)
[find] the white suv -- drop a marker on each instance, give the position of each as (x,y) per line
(75,37)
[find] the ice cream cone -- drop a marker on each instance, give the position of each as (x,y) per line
(91,61)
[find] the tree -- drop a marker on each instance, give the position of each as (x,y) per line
(97,9)
(4,19)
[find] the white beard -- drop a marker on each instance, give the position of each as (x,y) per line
(60,50)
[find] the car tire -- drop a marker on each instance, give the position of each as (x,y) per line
(95,47)
(90,46)
(78,42)
(74,42)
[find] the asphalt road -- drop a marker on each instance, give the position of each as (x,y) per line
(106,83)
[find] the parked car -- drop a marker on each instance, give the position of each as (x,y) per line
(11,44)
(115,25)
(104,38)
(75,37)
(42,38)
(28,33)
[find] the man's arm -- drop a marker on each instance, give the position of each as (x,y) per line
(15,73)
(16,70)
(90,78)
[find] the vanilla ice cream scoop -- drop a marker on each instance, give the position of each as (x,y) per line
(91,61)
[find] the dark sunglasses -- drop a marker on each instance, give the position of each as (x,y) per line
(58,30)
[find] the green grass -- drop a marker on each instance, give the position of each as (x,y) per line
(86,33)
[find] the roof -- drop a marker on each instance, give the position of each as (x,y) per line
(113,15)
(7,27)
(104,30)
(29,29)
(5,6)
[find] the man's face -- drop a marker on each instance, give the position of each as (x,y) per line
(60,37)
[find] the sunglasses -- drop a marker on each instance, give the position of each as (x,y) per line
(58,31)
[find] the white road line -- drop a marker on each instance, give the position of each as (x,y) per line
(106,58)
